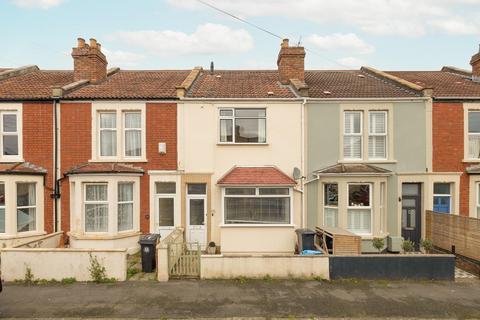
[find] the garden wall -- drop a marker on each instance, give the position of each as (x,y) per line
(57,264)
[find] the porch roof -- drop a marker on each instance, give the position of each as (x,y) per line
(353,169)
(104,167)
(256,176)
(22,168)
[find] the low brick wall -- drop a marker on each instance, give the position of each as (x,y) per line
(58,264)
(228,267)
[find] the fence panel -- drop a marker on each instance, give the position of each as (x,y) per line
(447,230)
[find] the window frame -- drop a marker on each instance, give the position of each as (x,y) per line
(85,202)
(468,134)
(443,195)
(124,134)
(477,200)
(370,206)
(132,202)
(4,207)
(370,134)
(360,134)
(257,195)
(233,118)
(17,109)
(163,195)
(325,206)
(99,134)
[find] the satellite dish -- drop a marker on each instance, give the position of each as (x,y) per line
(297,174)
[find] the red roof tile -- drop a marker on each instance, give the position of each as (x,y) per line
(256,176)
(21,168)
(143,84)
(352,84)
(444,84)
(240,84)
(103,167)
(34,85)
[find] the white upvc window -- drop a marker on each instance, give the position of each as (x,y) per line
(442,197)
(474,134)
(330,204)
(352,135)
(377,135)
(242,125)
(119,133)
(26,207)
(10,133)
(125,206)
(359,208)
(2,207)
(257,205)
(96,207)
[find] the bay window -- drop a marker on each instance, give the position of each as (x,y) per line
(242,125)
(26,207)
(257,205)
(442,197)
(474,134)
(125,206)
(359,208)
(96,208)
(330,205)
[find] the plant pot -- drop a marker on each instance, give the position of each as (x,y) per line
(211,250)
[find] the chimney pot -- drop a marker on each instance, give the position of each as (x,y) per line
(285,43)
(291,63)
(99,46)
(93,43)
(80,42)
(212,67)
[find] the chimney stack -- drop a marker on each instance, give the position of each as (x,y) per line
(475,63)
(291,63)
(89,63)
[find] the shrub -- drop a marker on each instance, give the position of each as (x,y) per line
(408,246)
(98,273)
(132,271)
(68,280)
(29,278)
(378,243)
(427,244)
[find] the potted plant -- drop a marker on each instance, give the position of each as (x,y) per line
(408,246)
(427,245)
(378,243)
(212,248)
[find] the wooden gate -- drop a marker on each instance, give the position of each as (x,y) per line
(184,260)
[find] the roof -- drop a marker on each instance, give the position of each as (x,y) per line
(34,85)
(256,176)
(143,84)
(104,167)
(353,169)
(353,84)
(240,84)
(21,168)
(444,83)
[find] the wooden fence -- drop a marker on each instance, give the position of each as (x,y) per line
(447,230)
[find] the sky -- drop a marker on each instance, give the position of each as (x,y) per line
(182,34)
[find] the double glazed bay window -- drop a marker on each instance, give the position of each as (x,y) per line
(353,135)
(474,134)
(442,197)
(9,131)
(243,125)
(120,137)
(359,208)
(257,205)
(330,207)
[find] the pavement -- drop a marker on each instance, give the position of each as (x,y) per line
(244,298)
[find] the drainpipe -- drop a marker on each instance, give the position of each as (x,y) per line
(56,193)
(302,160)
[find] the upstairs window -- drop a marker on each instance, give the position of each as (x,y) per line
(9,131)
(120,135)
(243,125)
(377,135)
(474,134)
(352,135)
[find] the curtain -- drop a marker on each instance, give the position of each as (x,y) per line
(96,214)
(96,192)
(262,131)
(133,143)
(108,134)
(474,146)
(257,210)
(226,130)
(125,206)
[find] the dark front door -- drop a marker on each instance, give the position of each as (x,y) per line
(411,212)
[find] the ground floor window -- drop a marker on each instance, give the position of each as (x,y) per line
(330,205)
(442,197)
(478,201)
(257,205)
(125,206)
(26,207)
(359,208)
(2,207)
(166,193)
(96,208)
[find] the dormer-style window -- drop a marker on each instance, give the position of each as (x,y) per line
(241,125)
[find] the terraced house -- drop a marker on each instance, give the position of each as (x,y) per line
(238,157)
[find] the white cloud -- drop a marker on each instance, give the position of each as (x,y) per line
(381,17)
(122,59)
(340,41)
(350,62)
(34,4)
(455,26)
(207,38)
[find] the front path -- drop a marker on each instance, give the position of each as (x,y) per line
(244,298)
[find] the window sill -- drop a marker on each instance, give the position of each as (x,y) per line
(104,236)
(471,160)
(242,144)
(11,160)
(368,161)
(244,225)
(139,160)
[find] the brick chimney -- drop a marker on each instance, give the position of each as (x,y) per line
(475,63)
(89,63)
(291,63)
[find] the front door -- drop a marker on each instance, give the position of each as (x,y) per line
(411,212)
(196,214)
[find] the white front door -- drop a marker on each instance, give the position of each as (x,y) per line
(165,207)
(197,214)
